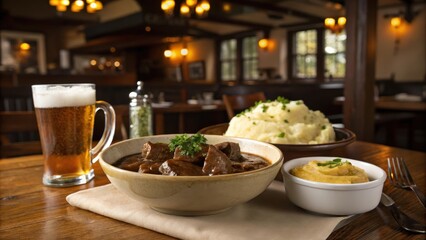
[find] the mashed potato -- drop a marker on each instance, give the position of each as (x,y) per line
(282,121)
(333,171)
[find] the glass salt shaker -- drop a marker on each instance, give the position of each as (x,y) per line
(140,113)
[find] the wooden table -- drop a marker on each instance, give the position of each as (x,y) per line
(30,210)
(390,103)
(393,114)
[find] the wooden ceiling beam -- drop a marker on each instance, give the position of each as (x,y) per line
(275,8)
(199,32)
(103,44)
(213,16)
(304,25)
(231,21)
(136,21)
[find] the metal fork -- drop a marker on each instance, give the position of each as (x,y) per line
(400,176)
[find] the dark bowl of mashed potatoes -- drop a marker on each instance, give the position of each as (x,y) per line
(342,138)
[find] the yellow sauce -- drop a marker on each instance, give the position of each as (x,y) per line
(322,171)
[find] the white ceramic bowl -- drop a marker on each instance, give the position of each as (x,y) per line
(334,199)
(191,195)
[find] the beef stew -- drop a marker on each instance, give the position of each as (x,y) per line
(218,159)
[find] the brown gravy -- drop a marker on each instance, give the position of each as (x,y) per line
(213,162)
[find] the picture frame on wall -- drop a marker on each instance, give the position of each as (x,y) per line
(196,70)
(174,73)
(23,52)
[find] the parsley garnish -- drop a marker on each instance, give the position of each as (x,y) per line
(249,109)
(282,100)
(188,145)
(279,99)
(332,163)
(281,135)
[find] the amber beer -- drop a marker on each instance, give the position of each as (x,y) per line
(65,117)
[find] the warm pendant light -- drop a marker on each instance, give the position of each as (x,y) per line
(264,42)
(396,22)
(335,25)
(191,3)
(24,46)
(184,51)
(168,53)
(91,6)
(200,8)
(77,6)
(185,10)
(167,6)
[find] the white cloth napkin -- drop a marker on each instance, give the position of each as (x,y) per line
(162,104)
(269,216)
(408,97)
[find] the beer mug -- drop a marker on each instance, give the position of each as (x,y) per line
(65,117)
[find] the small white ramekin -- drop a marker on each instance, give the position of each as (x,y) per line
(334,199)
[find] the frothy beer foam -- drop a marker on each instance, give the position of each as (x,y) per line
(63,96)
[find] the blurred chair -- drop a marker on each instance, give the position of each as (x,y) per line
(395,128)
(18,134)
(121,122)
(237,103)
(388,127)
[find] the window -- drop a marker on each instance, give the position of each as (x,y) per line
(308,62)
(250,58)
(305,54)
(239,59)
(334,54)
(228,59)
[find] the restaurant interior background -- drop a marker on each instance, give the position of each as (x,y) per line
(215,50)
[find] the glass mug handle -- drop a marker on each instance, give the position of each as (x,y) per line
(109,129)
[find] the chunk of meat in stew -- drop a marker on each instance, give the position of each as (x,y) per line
(158,152)
(231,149)
(148,166)
(174,167)
(217,162)
(197,157)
